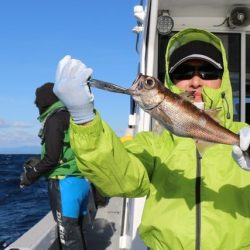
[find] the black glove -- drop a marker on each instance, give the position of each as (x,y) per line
(30,174)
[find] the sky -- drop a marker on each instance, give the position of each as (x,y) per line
(35,35)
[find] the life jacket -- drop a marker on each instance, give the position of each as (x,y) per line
(67,164)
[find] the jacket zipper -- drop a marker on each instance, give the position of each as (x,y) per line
(198,201)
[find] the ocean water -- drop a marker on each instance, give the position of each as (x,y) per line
(20,209)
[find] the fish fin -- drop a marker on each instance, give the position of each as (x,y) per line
(157,126)
(213,113)
(203,145)
(187,95)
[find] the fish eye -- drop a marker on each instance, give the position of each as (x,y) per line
(149,83)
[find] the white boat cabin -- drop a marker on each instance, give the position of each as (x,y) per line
(157,21)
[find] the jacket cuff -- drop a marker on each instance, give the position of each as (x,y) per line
(92,127)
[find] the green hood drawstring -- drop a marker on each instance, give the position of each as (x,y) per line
(223,96)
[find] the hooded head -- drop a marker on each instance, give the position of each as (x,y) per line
(45,97)
(194,43)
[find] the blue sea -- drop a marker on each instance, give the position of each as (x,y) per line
(20,209)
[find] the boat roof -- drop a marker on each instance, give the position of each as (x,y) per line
(202,13)
(211,8)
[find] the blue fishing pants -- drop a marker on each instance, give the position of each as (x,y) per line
(68,201)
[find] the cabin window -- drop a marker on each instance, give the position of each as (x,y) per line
(162,45)
(248,78)
(232,46)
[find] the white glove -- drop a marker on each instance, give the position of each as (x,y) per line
(242,159)
(72,89)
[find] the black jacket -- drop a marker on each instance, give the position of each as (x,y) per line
(54,129)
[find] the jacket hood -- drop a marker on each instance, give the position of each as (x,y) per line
(213,98)
(51,109)
(45,97)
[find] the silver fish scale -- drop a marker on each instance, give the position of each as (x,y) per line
(181,121)
(172,120)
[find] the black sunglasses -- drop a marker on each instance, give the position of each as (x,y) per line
(187,72)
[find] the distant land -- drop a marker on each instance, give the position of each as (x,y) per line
(21,150)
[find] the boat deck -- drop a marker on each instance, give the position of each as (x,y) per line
(102,235)
(106,229)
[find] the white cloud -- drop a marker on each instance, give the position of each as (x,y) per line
(15,124)
(18,138)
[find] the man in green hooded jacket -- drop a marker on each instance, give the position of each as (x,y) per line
(68,189)
(196,197)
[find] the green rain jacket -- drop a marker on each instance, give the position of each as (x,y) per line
(191,203)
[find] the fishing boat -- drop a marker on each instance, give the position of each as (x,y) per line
(156,21)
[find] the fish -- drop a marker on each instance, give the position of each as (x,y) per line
(172,111)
